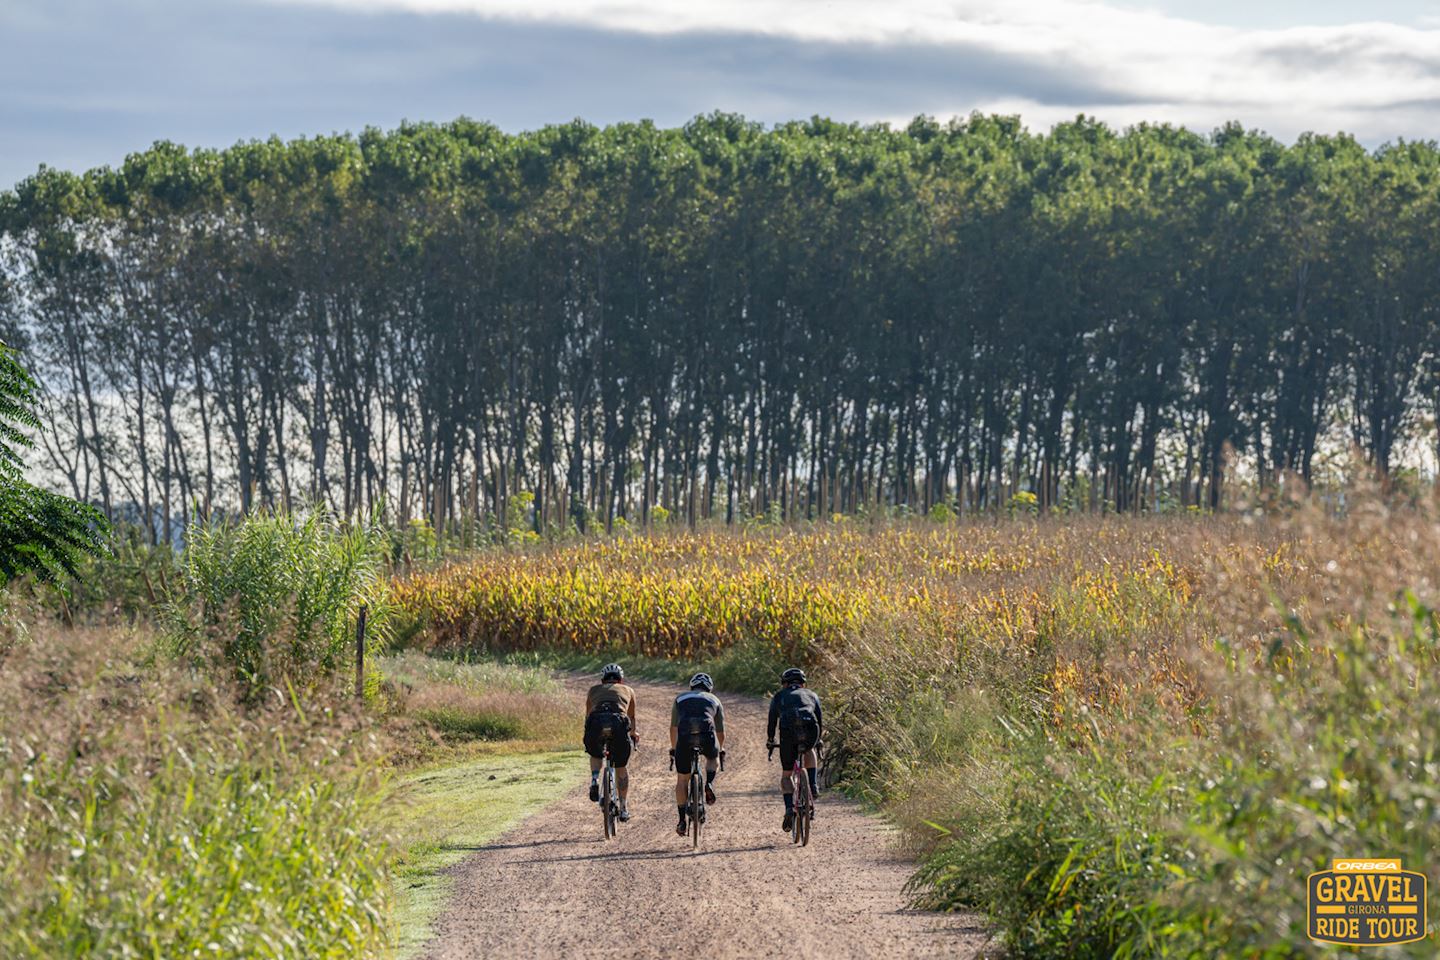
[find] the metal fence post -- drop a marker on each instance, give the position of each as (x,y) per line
(360,653)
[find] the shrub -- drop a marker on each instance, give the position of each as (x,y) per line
(41,533)
(280,595)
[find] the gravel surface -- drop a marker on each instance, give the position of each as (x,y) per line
(553,887)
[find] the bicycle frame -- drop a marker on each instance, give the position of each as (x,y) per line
(695,794)
(695,802)
(804,802)
(609,804)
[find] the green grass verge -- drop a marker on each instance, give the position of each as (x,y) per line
(444,814)
(745,668)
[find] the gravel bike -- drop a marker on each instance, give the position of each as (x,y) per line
(804,802)
(609,796)
(695,794)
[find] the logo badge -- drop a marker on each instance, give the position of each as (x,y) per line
(1366,903)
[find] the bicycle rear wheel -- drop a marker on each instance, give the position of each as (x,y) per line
(798,828)
(607,799)
(697,810)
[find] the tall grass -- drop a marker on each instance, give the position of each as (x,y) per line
(1116,737)
(280,595)
(143,815)
(1161,760)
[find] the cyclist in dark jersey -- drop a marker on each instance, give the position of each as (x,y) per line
(795,712)
(610,717)
(696,719)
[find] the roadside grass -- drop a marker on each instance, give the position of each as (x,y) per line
(1116,737)
(144,812)
(453,710)
(439,815)
(744,668)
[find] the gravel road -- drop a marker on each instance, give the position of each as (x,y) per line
(554,888)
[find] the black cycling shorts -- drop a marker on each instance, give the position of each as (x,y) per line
(685,748)
(795,740)
(607,725)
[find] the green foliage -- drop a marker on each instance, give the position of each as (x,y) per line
(750,666)
(711,313)
(128,581)
(519,526)
(142,817)
(40,532)
(457,723)
(279,596)
(1023,502)
(1071,857)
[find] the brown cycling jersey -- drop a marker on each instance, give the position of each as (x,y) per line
(617,693)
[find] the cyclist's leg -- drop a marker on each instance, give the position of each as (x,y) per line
(711,750)
(788,750)
(593,747)
(620,748)
(812,758)
(682,781)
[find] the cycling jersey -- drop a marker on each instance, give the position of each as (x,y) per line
(697,712)
(793,710)
(618,694)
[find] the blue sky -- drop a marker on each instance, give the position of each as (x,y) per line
(84,82)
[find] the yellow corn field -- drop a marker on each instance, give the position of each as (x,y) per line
(1048,594)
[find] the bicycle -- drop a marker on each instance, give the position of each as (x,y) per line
(609,796)
(695,794)
(804,802)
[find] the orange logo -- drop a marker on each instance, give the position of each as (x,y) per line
(1366,902)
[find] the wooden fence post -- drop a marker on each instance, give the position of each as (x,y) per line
(360,653)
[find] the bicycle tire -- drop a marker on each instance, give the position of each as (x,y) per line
(607,800)
(805,826)
(614,805)
(802,803)
(697,809)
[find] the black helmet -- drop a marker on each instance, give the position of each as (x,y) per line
(612,671)
(793,675)
(703,681)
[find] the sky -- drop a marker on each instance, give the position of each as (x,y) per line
(85,82)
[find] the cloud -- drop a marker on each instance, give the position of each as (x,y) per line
(1156,58)
(83,82)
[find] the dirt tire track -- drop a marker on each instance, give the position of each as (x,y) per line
(552,887)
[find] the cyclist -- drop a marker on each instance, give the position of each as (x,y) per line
(610,716)
(696,719)
(795,710)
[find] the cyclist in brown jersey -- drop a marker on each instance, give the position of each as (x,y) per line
(610,716)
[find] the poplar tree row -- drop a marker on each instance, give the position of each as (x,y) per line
(724,320)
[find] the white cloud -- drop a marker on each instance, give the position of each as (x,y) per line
(1153,66)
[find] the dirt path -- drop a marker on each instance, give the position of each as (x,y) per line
(553,888)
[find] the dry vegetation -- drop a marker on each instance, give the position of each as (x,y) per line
(1125,737)
(145,813)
